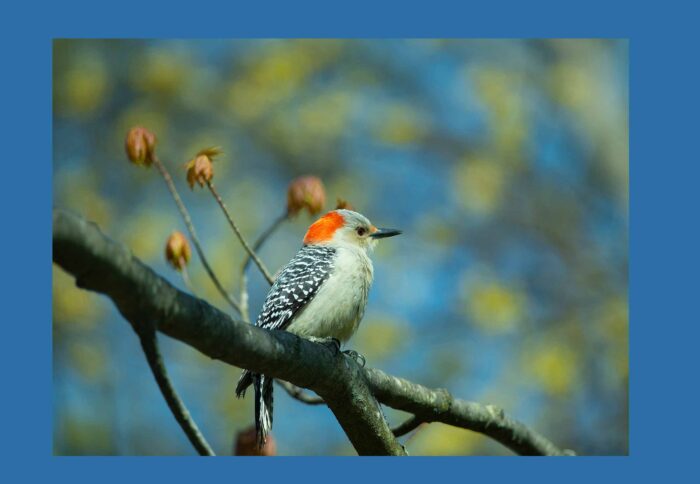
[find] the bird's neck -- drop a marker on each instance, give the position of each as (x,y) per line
(357,258)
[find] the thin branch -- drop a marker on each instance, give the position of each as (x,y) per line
(193,234)
(408,426)
(258,262)
(186,278)
(350,392)
(439,405)
(149,343)
(276,223)
(243,297)
(299,393)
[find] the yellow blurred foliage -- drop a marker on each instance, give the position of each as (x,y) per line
(501,92)
(381,337)
(227,254)
(243,195)
(73,308)
(480,183)
(432,222)
(613,320)
(205,289)
(276,74)
(553,364)
(80,434)
(309,129)
(400,124)
(578,83)
(237,411)
(161,72)
(573,85)
(325,115)
(88,359)
(440,439)
(223,250)
(79,191)
(146,232)
(83,88)
(494,306)
(350,186)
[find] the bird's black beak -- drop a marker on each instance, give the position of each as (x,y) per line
(382,233)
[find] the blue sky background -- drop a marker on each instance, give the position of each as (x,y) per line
(505,162)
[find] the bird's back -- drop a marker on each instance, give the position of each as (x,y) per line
(297,285)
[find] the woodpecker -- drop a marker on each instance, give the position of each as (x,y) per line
(319,295)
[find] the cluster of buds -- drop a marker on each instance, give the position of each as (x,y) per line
(200,169)
(177,250)
(247,444)
(140,146)
(306,192)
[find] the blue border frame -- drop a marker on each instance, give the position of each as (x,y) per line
(664,221)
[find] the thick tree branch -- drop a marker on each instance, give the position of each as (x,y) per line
(351,392)
(104,266)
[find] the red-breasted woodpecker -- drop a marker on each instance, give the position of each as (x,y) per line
(320,294)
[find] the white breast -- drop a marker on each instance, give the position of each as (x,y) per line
(338,307)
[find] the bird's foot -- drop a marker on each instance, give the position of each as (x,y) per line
(332,344)
(359,359)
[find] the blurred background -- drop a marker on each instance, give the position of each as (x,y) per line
(505,162)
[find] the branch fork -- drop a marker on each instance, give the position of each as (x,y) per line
(352,393)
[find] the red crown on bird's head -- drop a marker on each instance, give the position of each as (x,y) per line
(323,229)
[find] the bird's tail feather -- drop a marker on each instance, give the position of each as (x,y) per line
(263,407)
(244,382)
(263,401)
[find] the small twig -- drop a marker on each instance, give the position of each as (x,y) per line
(193,234)
(299,394)
(149,344)
(408,426)
(233,225)
(186,279)
(276,223)
(243,297)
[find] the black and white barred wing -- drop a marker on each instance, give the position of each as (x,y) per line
(296,286)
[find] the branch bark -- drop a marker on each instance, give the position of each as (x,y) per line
(299,394)
(149,343)
(406,427)
(351,392)
(428,405)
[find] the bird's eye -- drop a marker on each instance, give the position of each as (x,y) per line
(361,231)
